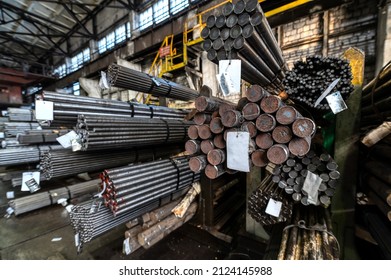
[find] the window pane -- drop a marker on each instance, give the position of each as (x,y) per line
(128,31)
(102,45)
(120,34)
(86,55)
(146,19)
(178,5)
(160,10)
(76,88)
(110,40)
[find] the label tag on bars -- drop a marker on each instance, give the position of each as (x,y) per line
(66,139)
(77,240)
(311,187)
(273,208)
(229,76)
(11,195)
(103,83)
(127,249)
(30,181)
(237,151)
(43,110)
(336,102)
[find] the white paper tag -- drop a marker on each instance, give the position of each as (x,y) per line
(10,210)
(76,146)
(336,102)
(62,201)
(69,208)
(44,110)
(2,135)
(66,139)
(237,151)
(77,240)
(311,187)
(11,195)
(127,249)
(229,76)
(103,83)
(56,239)
(30,181)
(273,208)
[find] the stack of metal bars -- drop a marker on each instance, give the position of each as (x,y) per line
(55,164)
(67,108)
(127,188)
(127,78)
(99,133)
(90,219)
(242,32)
(39,200)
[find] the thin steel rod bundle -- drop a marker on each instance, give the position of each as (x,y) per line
(259,200)
(91,219)
(40,136)
(24,155)
(99,133)
(67,108)
(291,176)
(126,188)
(310,78)
(251,40)
(309,236)
(39,200)
(20,115)
(123,77)
(55,164)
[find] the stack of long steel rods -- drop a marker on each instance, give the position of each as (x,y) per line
(260,198)
(39,200)
(127,188)
(309,236)
(242,32)
(276,130)
(127,78)
(97,133)
(20,115)
(67,108)
(40,136)
(55,164)
(24,155)
(12,129)
(89,219)
(310,78)
(291,176)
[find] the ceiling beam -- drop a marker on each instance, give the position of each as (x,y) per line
(70,12)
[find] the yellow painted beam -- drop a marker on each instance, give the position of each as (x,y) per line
(286,7)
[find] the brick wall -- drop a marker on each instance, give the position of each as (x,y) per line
(350,25)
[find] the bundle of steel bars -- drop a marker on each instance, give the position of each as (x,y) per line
(91,219)
(12,129)
(39,200)
(242,32)
(291,177)
(276,130)
(40,136)
(67,108)
(97,133)
(20,115)
(309,236)
(260,199)
(310,78)
(122,77)
(129,187)
(24,155)
(55,164)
